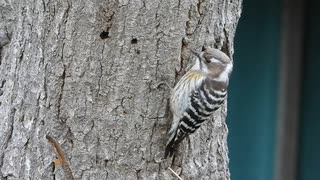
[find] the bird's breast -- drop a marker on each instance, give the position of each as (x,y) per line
(182,92)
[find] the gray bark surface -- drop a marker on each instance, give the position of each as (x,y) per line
(84,72)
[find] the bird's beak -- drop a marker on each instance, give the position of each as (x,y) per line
(196,54)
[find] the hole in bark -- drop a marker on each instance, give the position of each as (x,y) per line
(138,51)
(203,48)
(104,35)
(134,41)
(106,162)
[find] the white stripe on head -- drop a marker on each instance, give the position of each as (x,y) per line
(215,60)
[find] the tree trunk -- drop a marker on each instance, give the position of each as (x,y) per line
(85,72)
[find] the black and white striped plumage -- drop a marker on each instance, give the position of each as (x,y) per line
(198,94)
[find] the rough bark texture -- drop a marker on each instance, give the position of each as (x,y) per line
(84,72)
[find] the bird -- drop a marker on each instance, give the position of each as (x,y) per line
(198,94)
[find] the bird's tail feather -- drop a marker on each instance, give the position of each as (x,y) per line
(173,143)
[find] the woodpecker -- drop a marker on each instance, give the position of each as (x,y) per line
(198,94)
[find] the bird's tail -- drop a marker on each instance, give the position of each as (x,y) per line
(172,144)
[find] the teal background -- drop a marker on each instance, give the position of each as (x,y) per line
(309,157)
(252,100)
(253,93)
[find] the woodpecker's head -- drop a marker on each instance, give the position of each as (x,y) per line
(214,62)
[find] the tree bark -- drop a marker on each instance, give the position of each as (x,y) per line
(85,72)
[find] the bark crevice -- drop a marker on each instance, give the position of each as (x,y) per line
(84,72)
